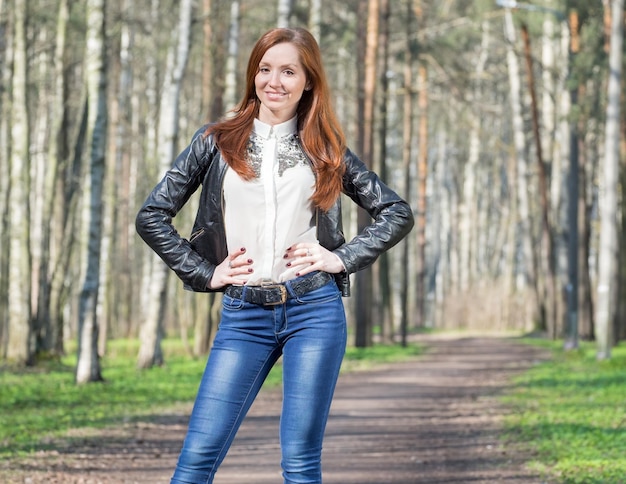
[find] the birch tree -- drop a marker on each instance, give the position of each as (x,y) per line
(607,275)
(468,209)
(230,93)
(208,38)
(315,19)
(120,302)
(152,328)
(526,273)
(49,324)
(285,8)
(5,79)
(88,361)
(20,347)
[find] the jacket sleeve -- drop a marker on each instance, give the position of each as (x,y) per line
(154,219)
(392,216)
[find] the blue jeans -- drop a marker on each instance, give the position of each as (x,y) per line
(310,334)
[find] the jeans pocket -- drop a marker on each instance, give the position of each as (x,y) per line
(232,304)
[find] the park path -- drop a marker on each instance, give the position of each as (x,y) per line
(435,420)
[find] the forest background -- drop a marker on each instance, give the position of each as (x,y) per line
(499,122)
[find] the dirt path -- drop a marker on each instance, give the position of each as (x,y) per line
(433,420)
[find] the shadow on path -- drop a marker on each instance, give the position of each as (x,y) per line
(432,420)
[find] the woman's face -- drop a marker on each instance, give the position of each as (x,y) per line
(279,83)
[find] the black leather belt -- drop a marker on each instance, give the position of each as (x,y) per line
(274,294)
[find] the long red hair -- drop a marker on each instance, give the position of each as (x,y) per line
(320,133)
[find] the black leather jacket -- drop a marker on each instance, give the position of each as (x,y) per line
(194,259)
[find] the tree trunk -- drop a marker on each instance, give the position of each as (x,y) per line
(49,326)
(559,174)
(285,8)
(422,177)
(526,273)
(88,361)
(364,283)
(315,19)
(386,315)
(208,58)
(442,196)
(407,145)
(40,170)
(152,328)
(573,193)
(468,209)
(5,127)
(20,335)
(230,92)
(122,301)
(607,275)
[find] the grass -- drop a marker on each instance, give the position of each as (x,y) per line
(42,403)
(571,412)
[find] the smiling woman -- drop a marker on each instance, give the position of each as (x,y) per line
(268,234)
(280,82)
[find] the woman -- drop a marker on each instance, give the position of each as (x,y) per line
(268,234)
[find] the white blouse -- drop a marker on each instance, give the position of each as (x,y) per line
(273,211)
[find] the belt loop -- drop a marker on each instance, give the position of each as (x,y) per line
(288,288)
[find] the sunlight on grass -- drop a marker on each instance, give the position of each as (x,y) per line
(37,404)
(572,412)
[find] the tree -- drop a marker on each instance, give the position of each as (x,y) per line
(364,289)
(285,8)
(20,343)
(88,361)
(230,94)
(5,79)
(607,274)
(422,181)
(477,246)
(527,273)
(49,325)
(152,329)
(407,150)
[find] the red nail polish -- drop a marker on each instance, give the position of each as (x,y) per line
(243,249)
(297,274)
(249,261)
(250,269)
(288,264)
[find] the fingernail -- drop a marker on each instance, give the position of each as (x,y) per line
(250,269)
(288,264)
(288,248)
(285,256)
(297,274)
(243,249)
(249,261)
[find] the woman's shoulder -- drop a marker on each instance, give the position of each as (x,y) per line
(202,144)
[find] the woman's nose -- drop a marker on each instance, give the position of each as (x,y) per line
(275,79)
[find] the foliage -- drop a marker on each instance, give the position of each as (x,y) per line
(572,412)
(40,404)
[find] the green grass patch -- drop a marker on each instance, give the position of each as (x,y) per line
(42,403)
(571,412)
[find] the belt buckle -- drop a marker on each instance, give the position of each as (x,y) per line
(283,294)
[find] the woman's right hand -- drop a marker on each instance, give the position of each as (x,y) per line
(231,269)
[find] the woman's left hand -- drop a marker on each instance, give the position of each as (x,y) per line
(309,257)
